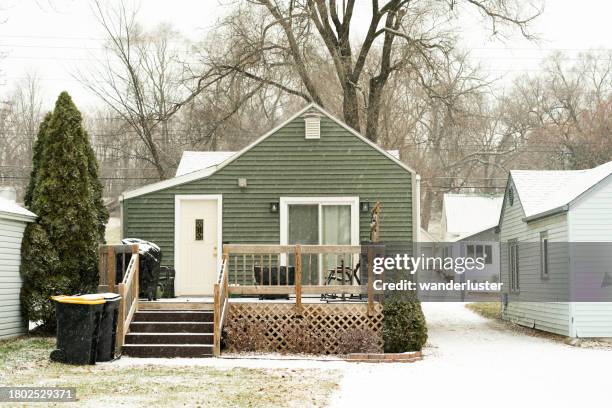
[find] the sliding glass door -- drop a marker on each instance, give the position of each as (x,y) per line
(322,221)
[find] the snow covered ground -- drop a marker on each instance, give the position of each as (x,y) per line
(469,362)
(473,362)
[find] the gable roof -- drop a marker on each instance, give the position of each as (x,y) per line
(206,172)
(194,161)
(544,192)
(469,214)
(9,209)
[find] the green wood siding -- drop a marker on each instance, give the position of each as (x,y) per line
(284,164)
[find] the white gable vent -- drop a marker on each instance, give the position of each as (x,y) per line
(312,126)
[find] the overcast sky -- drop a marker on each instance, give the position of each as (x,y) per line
(53,38)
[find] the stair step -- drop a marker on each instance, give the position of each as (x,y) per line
(177,305)
(173,316)
(168,338)
(171,327)
(168,350)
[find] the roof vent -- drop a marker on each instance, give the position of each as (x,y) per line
(312,126)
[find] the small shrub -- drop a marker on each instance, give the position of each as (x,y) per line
(240,335)
(302,338)
(359,341)
(404,327)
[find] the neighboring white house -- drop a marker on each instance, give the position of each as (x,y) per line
(13,220)
(469,228)
(545,217)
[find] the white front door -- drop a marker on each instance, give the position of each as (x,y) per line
(196,249)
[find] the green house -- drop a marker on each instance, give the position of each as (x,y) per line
(311,180)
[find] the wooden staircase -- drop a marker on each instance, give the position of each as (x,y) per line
(171,330)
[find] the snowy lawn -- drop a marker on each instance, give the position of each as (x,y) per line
(25,362)
(491,310)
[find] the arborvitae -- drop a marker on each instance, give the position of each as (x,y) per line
(38,148)
(98,192)
(60,249)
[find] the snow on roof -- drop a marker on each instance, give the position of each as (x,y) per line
(541,191)
(194,161)
(468,214)
(394,153)
(10,208)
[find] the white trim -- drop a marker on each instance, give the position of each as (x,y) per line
(353,201)
(350,200)
(177,222)
(200,174)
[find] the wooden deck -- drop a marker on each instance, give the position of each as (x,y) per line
(303,272)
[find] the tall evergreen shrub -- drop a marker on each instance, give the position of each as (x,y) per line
(59,251)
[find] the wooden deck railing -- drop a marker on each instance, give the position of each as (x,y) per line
(328,270)
(128,306)
(113,263)
(221,297)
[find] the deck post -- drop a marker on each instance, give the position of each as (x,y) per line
(370,281)
(121,317)
(298,278)
(112,268)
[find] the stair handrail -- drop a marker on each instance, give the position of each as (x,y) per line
(221,299)
(129,290)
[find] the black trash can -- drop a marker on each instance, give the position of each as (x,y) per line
(78,324)
(150,261)
(108,328)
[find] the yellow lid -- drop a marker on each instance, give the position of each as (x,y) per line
(80,300)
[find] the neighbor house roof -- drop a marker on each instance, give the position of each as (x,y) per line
(208,171)
(9,209)
(542,192)
(193,161)
(469,214)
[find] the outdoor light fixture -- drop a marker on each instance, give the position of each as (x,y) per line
(364,206)
(242,182)
(273,207)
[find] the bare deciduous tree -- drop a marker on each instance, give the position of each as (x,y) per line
(300,34)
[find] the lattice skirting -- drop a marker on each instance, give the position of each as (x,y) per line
(330,320)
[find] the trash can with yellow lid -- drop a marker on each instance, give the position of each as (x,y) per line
(78,323)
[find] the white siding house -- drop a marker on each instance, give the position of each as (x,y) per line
(556,210)
(13,220)
(469,222)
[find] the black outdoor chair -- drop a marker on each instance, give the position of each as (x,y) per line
(267,276)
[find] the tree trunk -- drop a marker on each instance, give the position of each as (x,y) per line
(350,107)
(373,111)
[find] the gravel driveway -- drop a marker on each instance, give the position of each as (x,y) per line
(473,362)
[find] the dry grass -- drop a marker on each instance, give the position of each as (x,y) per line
(25,362)
(490,310)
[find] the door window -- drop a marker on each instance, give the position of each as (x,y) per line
(199,229)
